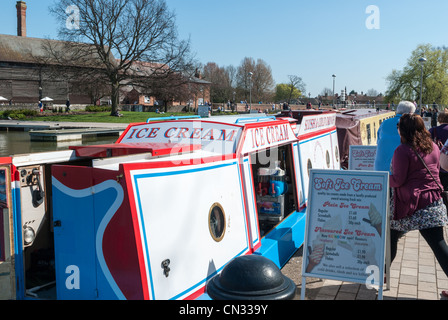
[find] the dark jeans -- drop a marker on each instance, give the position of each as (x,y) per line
(434,238)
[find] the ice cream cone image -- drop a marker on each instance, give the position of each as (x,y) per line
(317,253)
(375,218)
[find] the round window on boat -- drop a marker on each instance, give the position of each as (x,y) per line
(327,158)
(309,166)
(217,222)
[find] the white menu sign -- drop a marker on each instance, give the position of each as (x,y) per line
(361,157)
(345,233)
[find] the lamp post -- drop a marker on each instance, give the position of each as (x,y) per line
(422,61)
(250,90)
(334,77)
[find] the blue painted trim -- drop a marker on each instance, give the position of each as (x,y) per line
(256,119)
(305,194)
(18,247)
(200,283)
(314,138)
(246,160)
(280,244)
(172,118)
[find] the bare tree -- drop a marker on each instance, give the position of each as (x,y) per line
(326,92)
(82,73)
(122,32)
(244,78)
(372,93)
(221,89)
(255,77)
(296,83)
(263,82)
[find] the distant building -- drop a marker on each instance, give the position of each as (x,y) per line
(28,72)
(25,77)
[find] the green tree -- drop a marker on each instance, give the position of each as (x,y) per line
(289,91)
(405,84)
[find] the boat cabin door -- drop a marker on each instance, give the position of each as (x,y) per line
(192,220)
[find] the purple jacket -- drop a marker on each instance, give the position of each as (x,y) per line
(414,187)
(441,132)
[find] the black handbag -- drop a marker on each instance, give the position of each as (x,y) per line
(443,193)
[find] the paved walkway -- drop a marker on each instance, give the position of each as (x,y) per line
(415,275)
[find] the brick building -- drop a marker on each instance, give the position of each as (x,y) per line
(28,73)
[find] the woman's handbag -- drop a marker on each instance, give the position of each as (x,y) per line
(443,193)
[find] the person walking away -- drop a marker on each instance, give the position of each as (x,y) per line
(439,135)
(416,202)
(434,116)
(388,138)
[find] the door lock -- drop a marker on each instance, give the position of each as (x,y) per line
(165,266)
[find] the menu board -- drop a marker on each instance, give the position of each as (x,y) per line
(361,157)
(346,223)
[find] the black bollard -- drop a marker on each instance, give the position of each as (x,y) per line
(251,277)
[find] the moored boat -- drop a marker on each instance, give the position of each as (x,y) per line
(160,212)
(359,127)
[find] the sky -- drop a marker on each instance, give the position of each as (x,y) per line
(359,41)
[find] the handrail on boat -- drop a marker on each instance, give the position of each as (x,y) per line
(256,119)
(172,118)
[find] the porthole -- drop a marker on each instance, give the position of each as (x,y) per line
(309,166)
(327,158)
(336,153)
(217,222)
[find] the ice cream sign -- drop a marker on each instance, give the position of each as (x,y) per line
(361,157)
(346,225)
(218,137)
(265,136)
(317,123)
(340,184)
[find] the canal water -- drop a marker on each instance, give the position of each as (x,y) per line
(19,142)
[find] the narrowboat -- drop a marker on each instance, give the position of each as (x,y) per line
(368,121)
(159,213)
(359,127)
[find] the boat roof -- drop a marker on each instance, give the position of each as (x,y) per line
(121,149)
(227,134)
(362,113)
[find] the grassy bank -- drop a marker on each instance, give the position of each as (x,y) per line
(128,116)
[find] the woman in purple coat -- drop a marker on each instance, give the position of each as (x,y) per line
(416,201)
(440,133)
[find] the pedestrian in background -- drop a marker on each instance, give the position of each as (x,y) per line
(434,116)
(439,135)
(388,138)
(416,202)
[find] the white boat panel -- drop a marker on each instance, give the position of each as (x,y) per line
(174,223)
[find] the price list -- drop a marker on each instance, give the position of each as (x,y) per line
(346,218)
